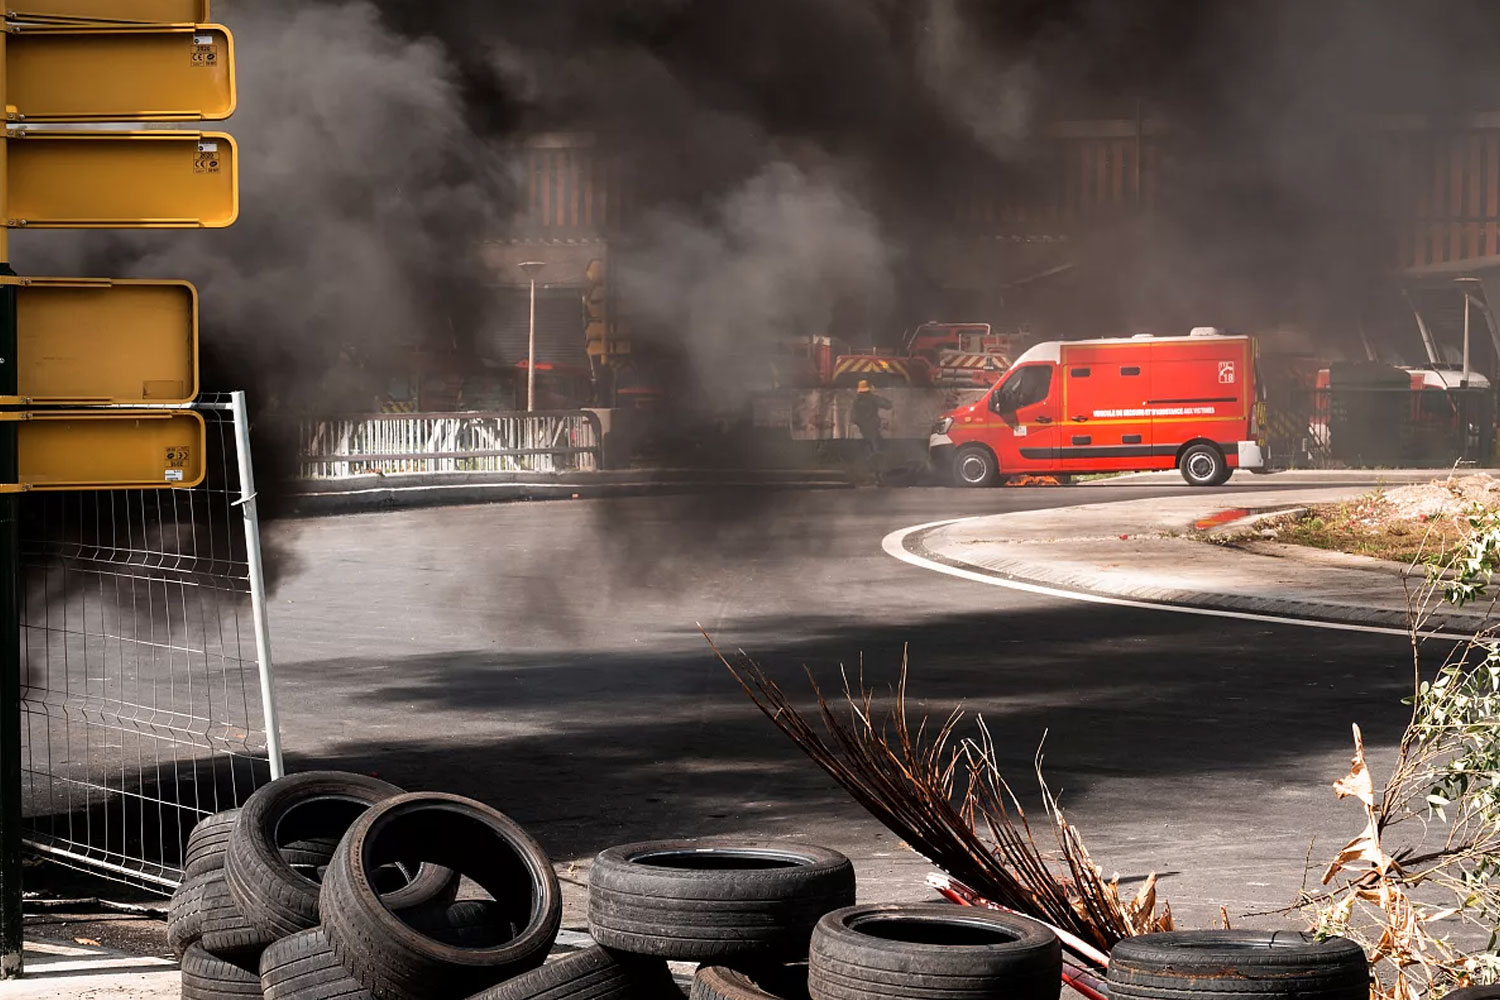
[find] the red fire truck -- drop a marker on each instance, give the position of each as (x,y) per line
(1116,405)
(942,354)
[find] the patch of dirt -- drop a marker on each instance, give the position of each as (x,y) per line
(1424,522)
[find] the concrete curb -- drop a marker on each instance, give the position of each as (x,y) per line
(1035,569)
(1302,477)
(375,493)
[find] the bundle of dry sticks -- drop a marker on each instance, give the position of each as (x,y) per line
(945,797)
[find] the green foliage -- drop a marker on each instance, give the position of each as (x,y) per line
(1454,736)
(1473,565)
(1458,714)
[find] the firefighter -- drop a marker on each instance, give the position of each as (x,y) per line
(866,416)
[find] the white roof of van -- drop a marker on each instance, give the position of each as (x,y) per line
(1051,350)
(1443,379)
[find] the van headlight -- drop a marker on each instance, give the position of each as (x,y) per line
(941,427)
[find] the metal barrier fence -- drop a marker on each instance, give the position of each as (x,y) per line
(146,695)
(1368,426)
(396,443)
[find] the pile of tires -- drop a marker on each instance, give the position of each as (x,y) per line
(335,886)
(332,886)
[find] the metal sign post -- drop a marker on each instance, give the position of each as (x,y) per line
(10,659)
(98,344)
(11,919)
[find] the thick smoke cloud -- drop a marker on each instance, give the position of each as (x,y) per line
(792,164)
(1277,206)
(760,262)
(361,184)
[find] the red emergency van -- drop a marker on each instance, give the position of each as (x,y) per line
(1117,405)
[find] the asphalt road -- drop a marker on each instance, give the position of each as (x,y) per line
(546,658)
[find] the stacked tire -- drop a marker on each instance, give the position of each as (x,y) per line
(326,886)
(748,906)
(1237,965)
(769,921)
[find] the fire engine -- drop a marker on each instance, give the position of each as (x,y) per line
(1112,405)
(1371,413)
(933,354)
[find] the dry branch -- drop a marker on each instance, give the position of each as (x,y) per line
(946,798)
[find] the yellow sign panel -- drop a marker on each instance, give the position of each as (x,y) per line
(102,450)
(119,11)
(100,341)
(123,180)
(121,73)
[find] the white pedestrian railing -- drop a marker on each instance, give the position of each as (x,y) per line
(427,443)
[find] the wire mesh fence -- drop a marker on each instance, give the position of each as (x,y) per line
(142,702)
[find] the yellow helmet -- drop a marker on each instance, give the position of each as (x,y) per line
(864,385)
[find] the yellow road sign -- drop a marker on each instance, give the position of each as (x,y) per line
(118,11)
(181,73)
(103,449)
(85,341)
(122,180)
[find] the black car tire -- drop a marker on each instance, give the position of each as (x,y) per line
(468,923)
(310,852)
(208,977)
(225,931)
(1238,965)
(274,896)
(302,966)
(932,951)
(975,465)
(715,982)
(185,915)
(715,902)
(592,974)
(394,960)
(1204,465)
(207,843)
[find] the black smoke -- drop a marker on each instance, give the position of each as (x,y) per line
(794,166)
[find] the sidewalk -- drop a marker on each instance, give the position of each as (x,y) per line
(1155,551)
(58,970)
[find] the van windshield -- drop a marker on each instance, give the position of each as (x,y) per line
(1026,387)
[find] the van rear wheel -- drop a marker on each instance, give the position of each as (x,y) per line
(1204,465)
(975,466)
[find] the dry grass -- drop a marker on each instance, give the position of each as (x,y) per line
(1422,523)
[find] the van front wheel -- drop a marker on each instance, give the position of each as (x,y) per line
(1204,465)
(975,466)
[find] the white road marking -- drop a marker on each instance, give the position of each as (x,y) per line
(894,544)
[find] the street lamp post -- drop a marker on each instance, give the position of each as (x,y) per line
(532,268)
